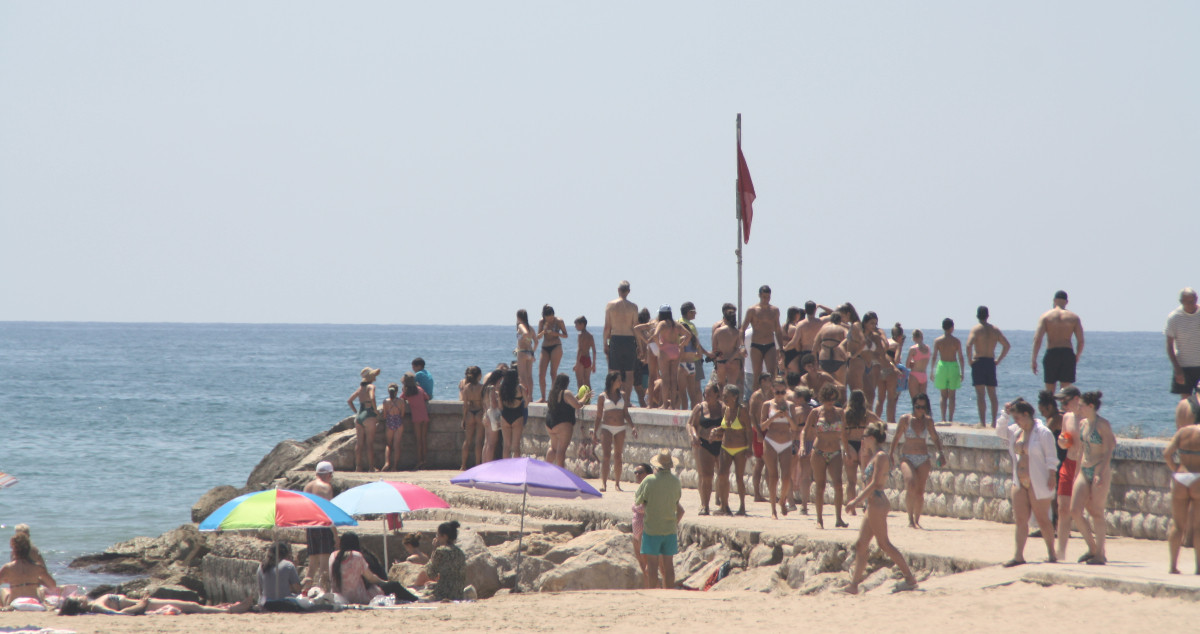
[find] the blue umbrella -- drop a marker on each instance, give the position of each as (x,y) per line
(527,476)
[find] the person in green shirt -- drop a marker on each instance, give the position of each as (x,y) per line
(660,494)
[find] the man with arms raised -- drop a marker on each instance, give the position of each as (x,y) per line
(1058,325)
(981,355)
(321,541)
(1183,344)
(620,344)
(764,318)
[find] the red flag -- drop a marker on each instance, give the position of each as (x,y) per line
(746,192)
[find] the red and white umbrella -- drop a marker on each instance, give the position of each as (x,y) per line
(387,497)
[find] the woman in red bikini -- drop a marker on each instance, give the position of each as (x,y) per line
(584,353)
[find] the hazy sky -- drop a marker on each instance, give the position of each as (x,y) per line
(448,163)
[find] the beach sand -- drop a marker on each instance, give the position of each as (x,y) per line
(1007,609)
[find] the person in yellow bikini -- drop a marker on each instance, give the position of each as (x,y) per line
(735,440)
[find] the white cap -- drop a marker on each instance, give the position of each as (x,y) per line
(324,466)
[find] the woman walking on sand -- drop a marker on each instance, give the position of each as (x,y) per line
(560,419)
(470,392)
(513,411)
(1034,464)
(826,429)
(418,408)
(917,429)
(393,417)
(706,446)
(874,525)
(551,331)
(1183,459)
(612,419)
(366,419)
(737,437)
(526,342)
(1094,477)
(779,426)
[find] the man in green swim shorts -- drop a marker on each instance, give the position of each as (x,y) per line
(948,361)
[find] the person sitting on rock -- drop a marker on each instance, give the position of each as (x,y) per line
(121,605)
(448,566)
(412,544)
(358,576)
(23,576)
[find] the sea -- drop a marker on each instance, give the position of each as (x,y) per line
(114,430)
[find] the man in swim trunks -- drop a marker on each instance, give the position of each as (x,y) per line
(766,335)
(620,344)
(947,375)
(1058,325)
(321,541)
(1183,344)
(981,354)
(805,335)
(585,354)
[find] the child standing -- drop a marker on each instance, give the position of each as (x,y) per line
(424,378)
(393,416)
(417,399)
(585,354)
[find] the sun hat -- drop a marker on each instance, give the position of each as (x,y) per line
(663,460)
(369,375)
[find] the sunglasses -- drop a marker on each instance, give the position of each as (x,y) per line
(780,392)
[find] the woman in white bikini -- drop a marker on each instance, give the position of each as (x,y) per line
(878,463)
(491,398)
(705,419)
(668,335)
(612,420)
(916,429)
(1094,477)
(736,439)
(551,330)
(825,428)
(366,420)
(1183,459)
(779,426)
(526,343)
(918,365)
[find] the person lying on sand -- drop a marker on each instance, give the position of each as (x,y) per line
(121,605)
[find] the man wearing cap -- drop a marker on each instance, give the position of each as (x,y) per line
(1068,438)
(660,494)
(762,319)
(620,344)
(1183,344)
(981,356)
(321,541)
(1058,325)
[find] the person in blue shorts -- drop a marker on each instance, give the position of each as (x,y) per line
(660,494)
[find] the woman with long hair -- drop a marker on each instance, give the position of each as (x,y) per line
(646,372)
(513,411)
(278,580)
(1094,477)
(858,416)
(706,446)
(470,392)
(737,438)
(349,573)
(891,377)
(366,419)
(612,419)
(526,343)
(560,419)
(668,335)
(802,474)
(418,408)
(878,463)
(858,356)
(447,567)
(491,398)
(791,349)
(879,364)
(917,430)
(393,418)
(826,430)
(778,424)
(1183,459)
(551,330)
(21,574)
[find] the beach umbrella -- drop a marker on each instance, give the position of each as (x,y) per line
(276,508)
(387,497)
(527,476)
(7,480)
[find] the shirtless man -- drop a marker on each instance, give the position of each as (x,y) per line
(727,348)
(805,333)
(981,354)
(764,318)
(948,364)
(321,541)
(815,378)
(1058,325)
(620,344)
(828,348)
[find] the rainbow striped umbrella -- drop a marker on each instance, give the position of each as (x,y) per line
(276,507)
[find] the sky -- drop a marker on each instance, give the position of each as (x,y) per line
(449,163)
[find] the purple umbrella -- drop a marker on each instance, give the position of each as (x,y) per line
(527,476)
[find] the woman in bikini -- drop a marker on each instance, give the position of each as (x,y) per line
(513,410)
(491,397)
(1094,477)
(916,429)
(858,416)
(551,330)
(418,412)
(878,463)
(778,425)
(1034,463)
(879,365)
(22,575)
(736,438)
(1183,459)
(825,429)
(791,349)
(612,420)
(668,335)
(802,474)
(646,372)
(829,348)
(858,355)
(560,419)
(393,417)
(706,446)
(585,354)
(892,377)
(366,420)
(918,365)
(470,392)
(526,342)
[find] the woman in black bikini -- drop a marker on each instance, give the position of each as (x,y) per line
(513,410)
(366,420)
(825,429)
(889,379)
(877,465)
(612,416)
(858,356)
(791,349)
(857,419)
(551,330)
(491,398)
(470,392)
(778,424)
(560,419)
(706,417)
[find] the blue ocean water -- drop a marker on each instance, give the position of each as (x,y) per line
(115,430)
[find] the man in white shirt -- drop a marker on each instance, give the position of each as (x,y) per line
(1183,344)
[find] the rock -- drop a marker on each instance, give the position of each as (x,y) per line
(534,545)
(483,573)
(594,569)
(688,561)
(275,464)
(832,560)
(142,555)
(604,539)
(876,579)
(531,569)
(228,579)
(176,593)
(212,500)
(405,573)
(764,555)
(761,579)
(795,570)
(337,447)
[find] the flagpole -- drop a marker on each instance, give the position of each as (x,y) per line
(737,195)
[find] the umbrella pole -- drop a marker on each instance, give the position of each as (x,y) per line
(521,537)
(387,564)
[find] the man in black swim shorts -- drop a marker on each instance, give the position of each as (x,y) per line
(321,541)
(620,343)
(1058,325)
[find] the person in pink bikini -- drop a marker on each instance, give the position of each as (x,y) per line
(918,365)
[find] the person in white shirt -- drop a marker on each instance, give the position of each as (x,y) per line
(1183,344)
(1034,463)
